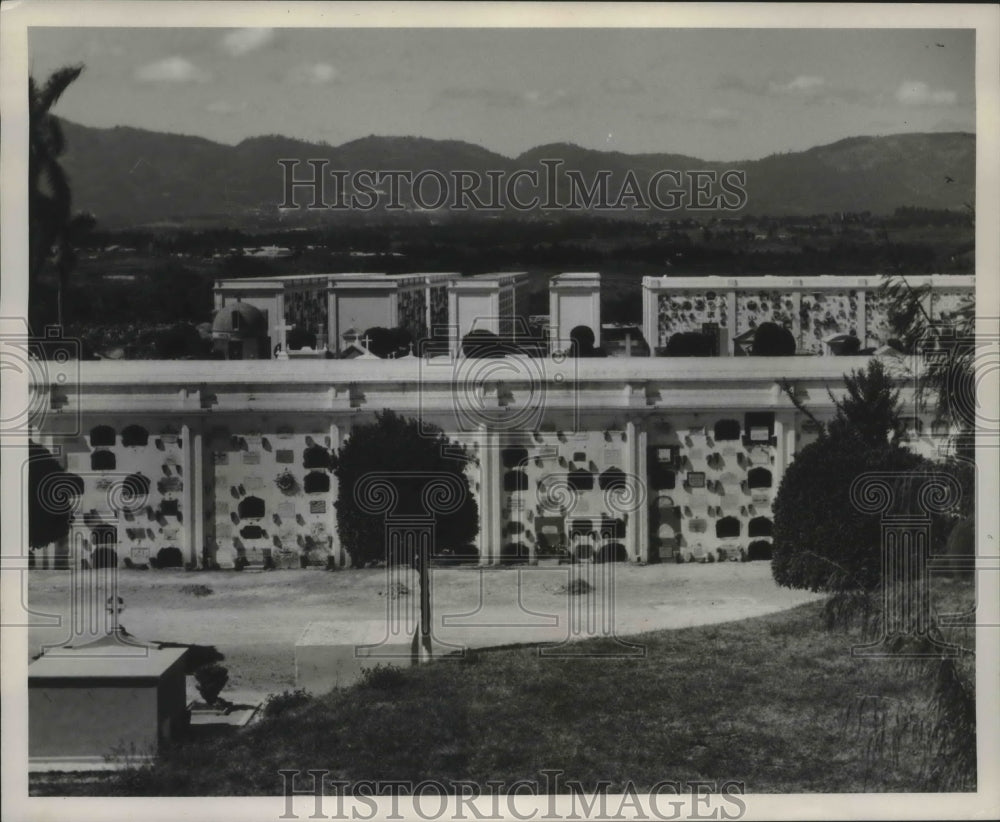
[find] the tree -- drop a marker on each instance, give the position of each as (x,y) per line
(870,409)
(383,342)
(54,229)
(481,343)
(582,341)
(773,340)
(415,452)
(947,347)
(690,344)
(821,542)
(51,495)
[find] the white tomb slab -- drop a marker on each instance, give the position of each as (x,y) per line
(107,698)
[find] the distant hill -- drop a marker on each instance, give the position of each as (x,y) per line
(129,176)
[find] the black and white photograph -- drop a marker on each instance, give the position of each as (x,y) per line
(549,411)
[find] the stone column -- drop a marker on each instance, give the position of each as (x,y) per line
(331,511)
(189,494)
(732,320)
(641,515)
(490,538)
(196,481)
(634,547)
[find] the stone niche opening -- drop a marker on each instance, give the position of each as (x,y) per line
(102,435)
(251,508)
(759,478)
(725,430)
(103,461)
(316,482)
(135,435)
(514,481)
(727,527)
(315,456)
(760,527)
(580,480)
(612,478)
(513,457)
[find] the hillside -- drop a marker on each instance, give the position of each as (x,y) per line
(130,177)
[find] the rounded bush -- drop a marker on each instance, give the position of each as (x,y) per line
(513,552)
(773,340)
(690,344)
(822,542)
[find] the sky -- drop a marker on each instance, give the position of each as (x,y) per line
(716,94)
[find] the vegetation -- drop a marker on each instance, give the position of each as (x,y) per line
(385,342)
(211,679)
(52,494)
(54,230)
(773,340)
(415,452)
(507,714)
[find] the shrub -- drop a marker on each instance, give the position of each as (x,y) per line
(211,679)
(278,704)
(514,552)
(821,541)
(690,344)
(383,678)
(773,340)
(759,549)
(299,338)
(169,557)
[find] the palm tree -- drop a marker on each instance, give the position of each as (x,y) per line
(54,228)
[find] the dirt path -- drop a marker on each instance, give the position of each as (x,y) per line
(255,618)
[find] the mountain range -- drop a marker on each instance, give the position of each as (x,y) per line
(132,177)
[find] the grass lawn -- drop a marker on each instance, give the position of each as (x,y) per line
(769,701)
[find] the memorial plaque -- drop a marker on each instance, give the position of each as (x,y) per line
(253,483)
(284,456)
(697,526)
(251,458)
(317,506)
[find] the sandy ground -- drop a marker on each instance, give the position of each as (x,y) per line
(255,618)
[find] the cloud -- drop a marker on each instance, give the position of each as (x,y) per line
(314,74)
(171,70)
(805,88)
(918,93)
(803,85)
(226,107)
(547,99)
(243,41)
(503,98)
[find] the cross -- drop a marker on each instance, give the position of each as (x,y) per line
(365,340)
(283,328)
